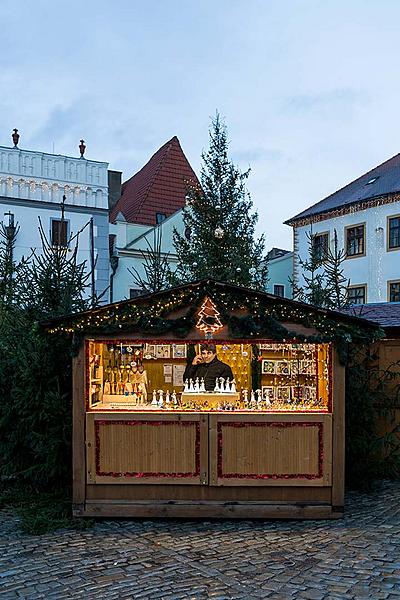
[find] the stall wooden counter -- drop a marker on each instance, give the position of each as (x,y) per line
(147,443)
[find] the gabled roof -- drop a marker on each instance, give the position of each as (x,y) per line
(159,187)
(150,310)
(380,181)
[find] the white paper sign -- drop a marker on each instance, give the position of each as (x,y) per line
(178,375)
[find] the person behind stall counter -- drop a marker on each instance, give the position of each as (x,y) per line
(207,366)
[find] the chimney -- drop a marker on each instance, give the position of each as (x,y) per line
(114,188)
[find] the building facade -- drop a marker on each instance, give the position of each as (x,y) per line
(365,215)
(34,185)
(280,272)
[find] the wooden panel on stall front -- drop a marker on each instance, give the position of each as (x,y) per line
(271,450)
(143,448)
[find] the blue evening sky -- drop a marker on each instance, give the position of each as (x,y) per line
(310,90)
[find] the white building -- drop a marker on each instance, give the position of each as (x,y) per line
(151,202)
(366,216)
(32,186)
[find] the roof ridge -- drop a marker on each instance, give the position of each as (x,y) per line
(167,147)
(289,221)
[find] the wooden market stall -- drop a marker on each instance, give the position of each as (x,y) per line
(147,442)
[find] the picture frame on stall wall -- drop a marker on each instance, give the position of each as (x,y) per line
(268,367)
(179,351)
(295,367)
(282,367)
(268,391)
(307,367)
(297,392)
(310,393)
(149,350)
(267,346)
(283,392)
(163,351)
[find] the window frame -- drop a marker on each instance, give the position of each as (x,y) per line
(346,229)
(389,283)
(388,248)
(320,234)
(54,220)
(357,286)
(282,285)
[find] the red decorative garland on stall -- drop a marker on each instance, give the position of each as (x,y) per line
(317,475)
(140,475)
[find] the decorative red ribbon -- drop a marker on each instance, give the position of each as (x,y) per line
(138,474)
(317,475)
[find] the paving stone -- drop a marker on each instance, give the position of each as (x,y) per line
(354,558)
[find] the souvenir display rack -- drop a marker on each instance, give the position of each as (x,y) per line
(136,375)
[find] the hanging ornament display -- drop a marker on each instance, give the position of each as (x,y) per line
(219,233)
(208,318)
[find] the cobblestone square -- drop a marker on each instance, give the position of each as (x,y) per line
(357,557)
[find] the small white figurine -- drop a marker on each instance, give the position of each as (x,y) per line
(173,398)
(245,397)
(221,384)
(216,389)
(227,386)
(191,388)
(197,385)
(161,398)
(167,399)
(154,401)
(186,388)
(233,387)
(202,385)
(253,403)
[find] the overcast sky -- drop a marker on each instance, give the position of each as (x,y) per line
(310,90)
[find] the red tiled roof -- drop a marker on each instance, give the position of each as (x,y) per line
(159,187)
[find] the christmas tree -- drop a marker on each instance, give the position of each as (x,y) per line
(219,226)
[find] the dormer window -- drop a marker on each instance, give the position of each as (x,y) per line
(160,217)
(372,180)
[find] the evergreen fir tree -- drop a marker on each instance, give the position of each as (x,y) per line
(35,369)
(155,265)
(336,283)
(314,290)
(324,282)
(219,236)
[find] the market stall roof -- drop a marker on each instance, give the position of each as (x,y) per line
(243,313)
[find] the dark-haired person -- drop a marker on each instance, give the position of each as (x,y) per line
(207,366)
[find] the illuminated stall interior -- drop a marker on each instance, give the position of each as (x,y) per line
(136,375)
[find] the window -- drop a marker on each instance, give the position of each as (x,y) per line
(393,232)
(355,240)
(394,291)
(320,244)
(279,290)
(357,294)
(59,232)
(160,217)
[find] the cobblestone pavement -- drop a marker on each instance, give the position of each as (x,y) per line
(357,557)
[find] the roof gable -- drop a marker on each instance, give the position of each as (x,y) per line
(159,187)
(380,181)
